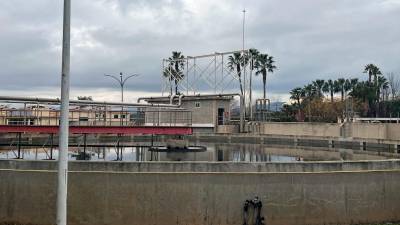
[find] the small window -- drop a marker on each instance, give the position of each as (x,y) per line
(123,116)
(197,104)
(116,116)
(83,119)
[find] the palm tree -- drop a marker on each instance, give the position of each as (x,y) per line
(177,62)
(381,85)
(310,91)
(265,64)
(253,57)
(372,70)
(319,84)
(297,94)
(235,62)
(340,87)
(329,87)
(347,86)
(353,83)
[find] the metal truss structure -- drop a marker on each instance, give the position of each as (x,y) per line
(206,74)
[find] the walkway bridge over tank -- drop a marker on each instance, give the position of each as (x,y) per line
(42,115)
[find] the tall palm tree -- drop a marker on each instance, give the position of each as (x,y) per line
(329,87)
(235,63)
(177,62)
(372,70)
(347,86)
(310,91)
(319,84)
(340,87)
(309,94)
(381,85)
(353,83)
(297,94)
(265,64)
(253,57)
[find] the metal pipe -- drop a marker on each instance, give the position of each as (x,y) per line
(12,99)
(205,56)
(180,100)
(64,123)
(171,99)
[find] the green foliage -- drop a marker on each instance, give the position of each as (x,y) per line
(174,69)
(85,98)
(370,97)
(261,63)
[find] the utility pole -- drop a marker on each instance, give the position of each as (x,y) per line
(64,121)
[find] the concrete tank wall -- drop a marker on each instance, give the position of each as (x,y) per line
(368,130)
(302,129)
(389,131)
(126,197)
(393,131)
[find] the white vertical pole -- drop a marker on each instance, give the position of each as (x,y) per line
(64,123)
(244,65)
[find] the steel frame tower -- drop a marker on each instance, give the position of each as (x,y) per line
(205,74)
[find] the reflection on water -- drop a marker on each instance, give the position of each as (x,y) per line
(214,152)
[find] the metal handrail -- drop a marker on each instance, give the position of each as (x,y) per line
(90,117)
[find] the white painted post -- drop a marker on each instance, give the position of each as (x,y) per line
(64,123)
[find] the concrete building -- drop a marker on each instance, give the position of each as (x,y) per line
(207,111)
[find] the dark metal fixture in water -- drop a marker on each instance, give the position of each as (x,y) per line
(254,206)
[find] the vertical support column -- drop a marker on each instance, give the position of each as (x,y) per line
(187,76)
(396,148)
(121,154)
(25,115)
(242,115)
(51,146)
(118,148)
(19,146)
(194,75)
(363,146)
(331,144)
(61,215)
(215,74)
(84,146)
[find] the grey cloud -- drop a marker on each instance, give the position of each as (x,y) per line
(309,39)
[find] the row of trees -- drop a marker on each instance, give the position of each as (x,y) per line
(366,95)
(261,63)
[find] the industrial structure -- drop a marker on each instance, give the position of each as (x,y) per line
(208,111)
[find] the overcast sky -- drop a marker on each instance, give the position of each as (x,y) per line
(309,39)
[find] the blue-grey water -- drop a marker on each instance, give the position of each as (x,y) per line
(214,153)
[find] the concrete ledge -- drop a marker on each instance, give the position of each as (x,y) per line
(204,167)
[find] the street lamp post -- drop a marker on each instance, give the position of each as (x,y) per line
(121,82)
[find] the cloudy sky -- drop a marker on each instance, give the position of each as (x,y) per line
(310,39)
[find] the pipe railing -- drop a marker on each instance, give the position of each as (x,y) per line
(12,99)
(97,117)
